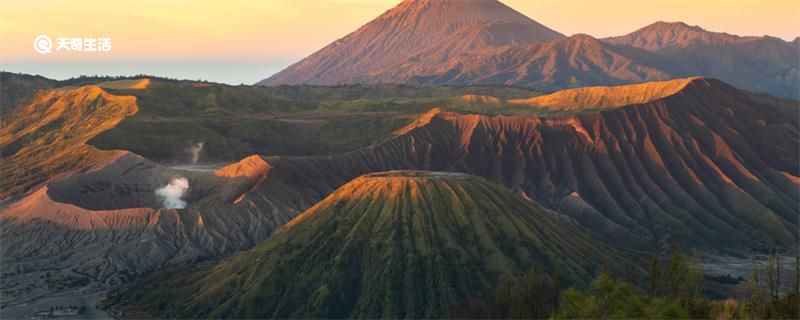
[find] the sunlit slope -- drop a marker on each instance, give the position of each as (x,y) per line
(132,84)
(45,139)
(599,98)
(386,245)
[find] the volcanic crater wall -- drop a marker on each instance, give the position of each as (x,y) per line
(707,167)
(132,181)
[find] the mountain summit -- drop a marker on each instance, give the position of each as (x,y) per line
(413,37)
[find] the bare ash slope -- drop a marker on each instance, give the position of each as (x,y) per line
(401,244)
(412,38)
(709,166)
(106,227)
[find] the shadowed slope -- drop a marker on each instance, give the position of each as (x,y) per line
(576,61)
(386,245)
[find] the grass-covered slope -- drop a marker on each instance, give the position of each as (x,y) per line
(386,245)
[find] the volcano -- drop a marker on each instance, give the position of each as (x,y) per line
(413,37)
(400,244)
(692,161)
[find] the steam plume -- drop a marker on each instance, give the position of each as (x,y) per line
(195,150)
(173,192)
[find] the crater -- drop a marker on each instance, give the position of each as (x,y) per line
(419,174)
(132,181)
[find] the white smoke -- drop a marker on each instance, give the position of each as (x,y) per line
(195,150)
(173,192)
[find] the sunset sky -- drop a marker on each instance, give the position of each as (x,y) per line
(238,41)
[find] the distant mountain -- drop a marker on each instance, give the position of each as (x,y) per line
(484,42)
(401,244)
(576,61)
(764,64)
(413,37)
(665,35)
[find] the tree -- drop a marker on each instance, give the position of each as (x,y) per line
(797,275)
(755,292)
(678,278)
(502,298)
(774,278)
(655,277)
(610,298)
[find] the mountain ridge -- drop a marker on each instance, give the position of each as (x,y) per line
(674,35)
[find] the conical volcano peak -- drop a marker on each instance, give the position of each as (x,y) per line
(412,38)
(459,11)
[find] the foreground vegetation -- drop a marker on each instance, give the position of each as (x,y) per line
(673,291)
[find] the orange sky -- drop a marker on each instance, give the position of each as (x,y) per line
(286,30)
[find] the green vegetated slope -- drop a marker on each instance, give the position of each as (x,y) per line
(350,92)
(386,245)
